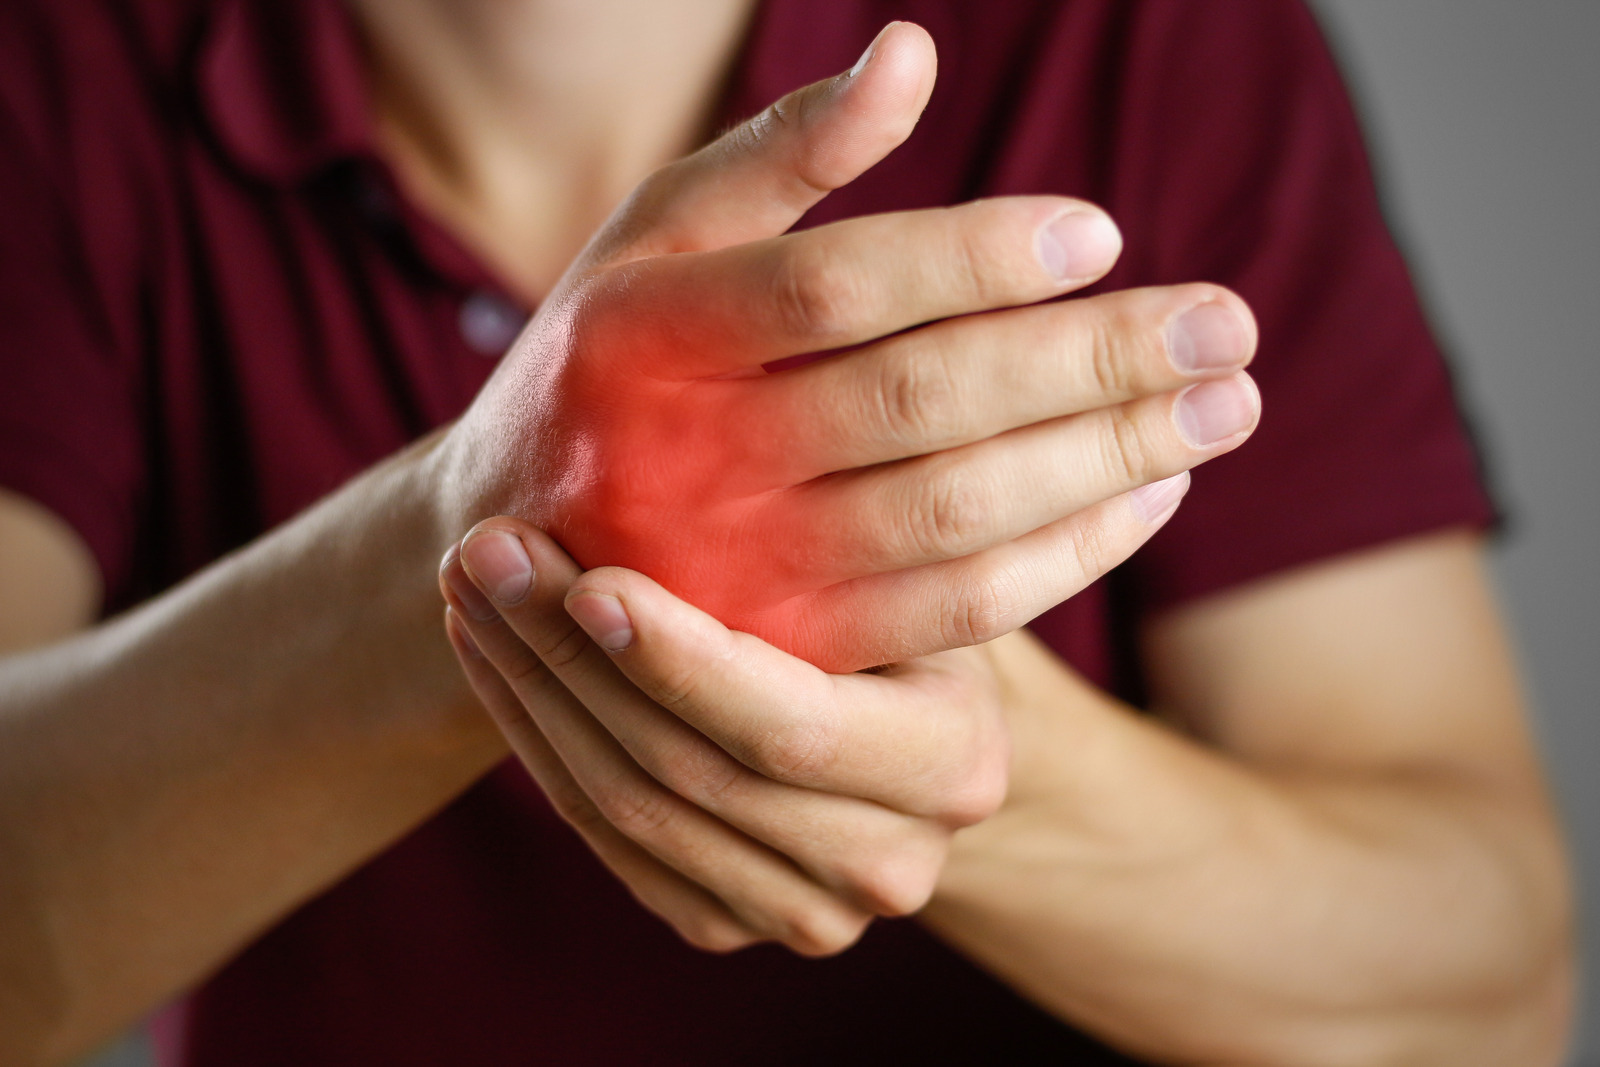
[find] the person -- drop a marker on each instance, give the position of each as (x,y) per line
(256,255)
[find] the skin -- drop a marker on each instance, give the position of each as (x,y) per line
(806,506)
(1287,867)
(1334,845)
(1353,726)
(161,772)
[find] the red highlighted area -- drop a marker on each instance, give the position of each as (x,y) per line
(658,451)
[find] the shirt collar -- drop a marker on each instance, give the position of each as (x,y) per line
(283,85)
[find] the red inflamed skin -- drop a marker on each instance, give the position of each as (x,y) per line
(960,457)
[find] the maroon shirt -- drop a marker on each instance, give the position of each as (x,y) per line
(215,307)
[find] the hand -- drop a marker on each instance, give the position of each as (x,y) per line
(918,491)
(742,794)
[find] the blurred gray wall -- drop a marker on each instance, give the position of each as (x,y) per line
(1485,116)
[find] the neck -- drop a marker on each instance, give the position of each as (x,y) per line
(521,123)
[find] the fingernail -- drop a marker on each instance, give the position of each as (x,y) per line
(499,563)
(473,602)
(1156,501)
(1215,411)
(870,54)
(1080,245)
(468,645)
(1206,338)
(602,618)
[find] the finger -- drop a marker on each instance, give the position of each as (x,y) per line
(889,618)
(758,179)
(967,379)
(702,919)
(927,741)
(954,503)
(849,282)
(879,858)
(764,889)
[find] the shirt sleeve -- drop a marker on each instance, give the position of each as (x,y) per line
(69,409)
(1238,160)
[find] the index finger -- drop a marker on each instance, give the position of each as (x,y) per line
(703,314)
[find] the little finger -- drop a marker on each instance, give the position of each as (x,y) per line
(889,618)
(699,917)
(767,892)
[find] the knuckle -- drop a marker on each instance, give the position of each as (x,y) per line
(681,687)
(817,302)
(800,753)
(702,774)
(517,663)
(984,611)
(642,209)
(601,317)
(974,264)
(676,689)
(754,134)
(639,812)
(558,649)
(571,803)
(895,886)
(796,112)
(981,790)
(658,188)
(1128,455)
(713,933)
(683,683)
(576,809)
(784,115)
(1091,543)
(953,515)
(918,401)
(821,930)
(1107,368)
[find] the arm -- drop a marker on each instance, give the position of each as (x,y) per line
(248,729)
(1338,851)
(173,781)
(1348,857)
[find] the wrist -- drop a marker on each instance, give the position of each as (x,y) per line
(1096,786)
(370,555)
(436,478)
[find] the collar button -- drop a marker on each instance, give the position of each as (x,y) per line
(489,323)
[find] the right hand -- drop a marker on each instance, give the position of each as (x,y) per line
(965,463)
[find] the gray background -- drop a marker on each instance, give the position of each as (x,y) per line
(1485,116)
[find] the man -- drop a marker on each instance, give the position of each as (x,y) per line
(1343,854)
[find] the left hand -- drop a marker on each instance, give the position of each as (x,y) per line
(741,793)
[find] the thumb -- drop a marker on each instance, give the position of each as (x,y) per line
(759,178)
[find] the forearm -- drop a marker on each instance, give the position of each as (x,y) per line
(1198,911)
(173,781)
